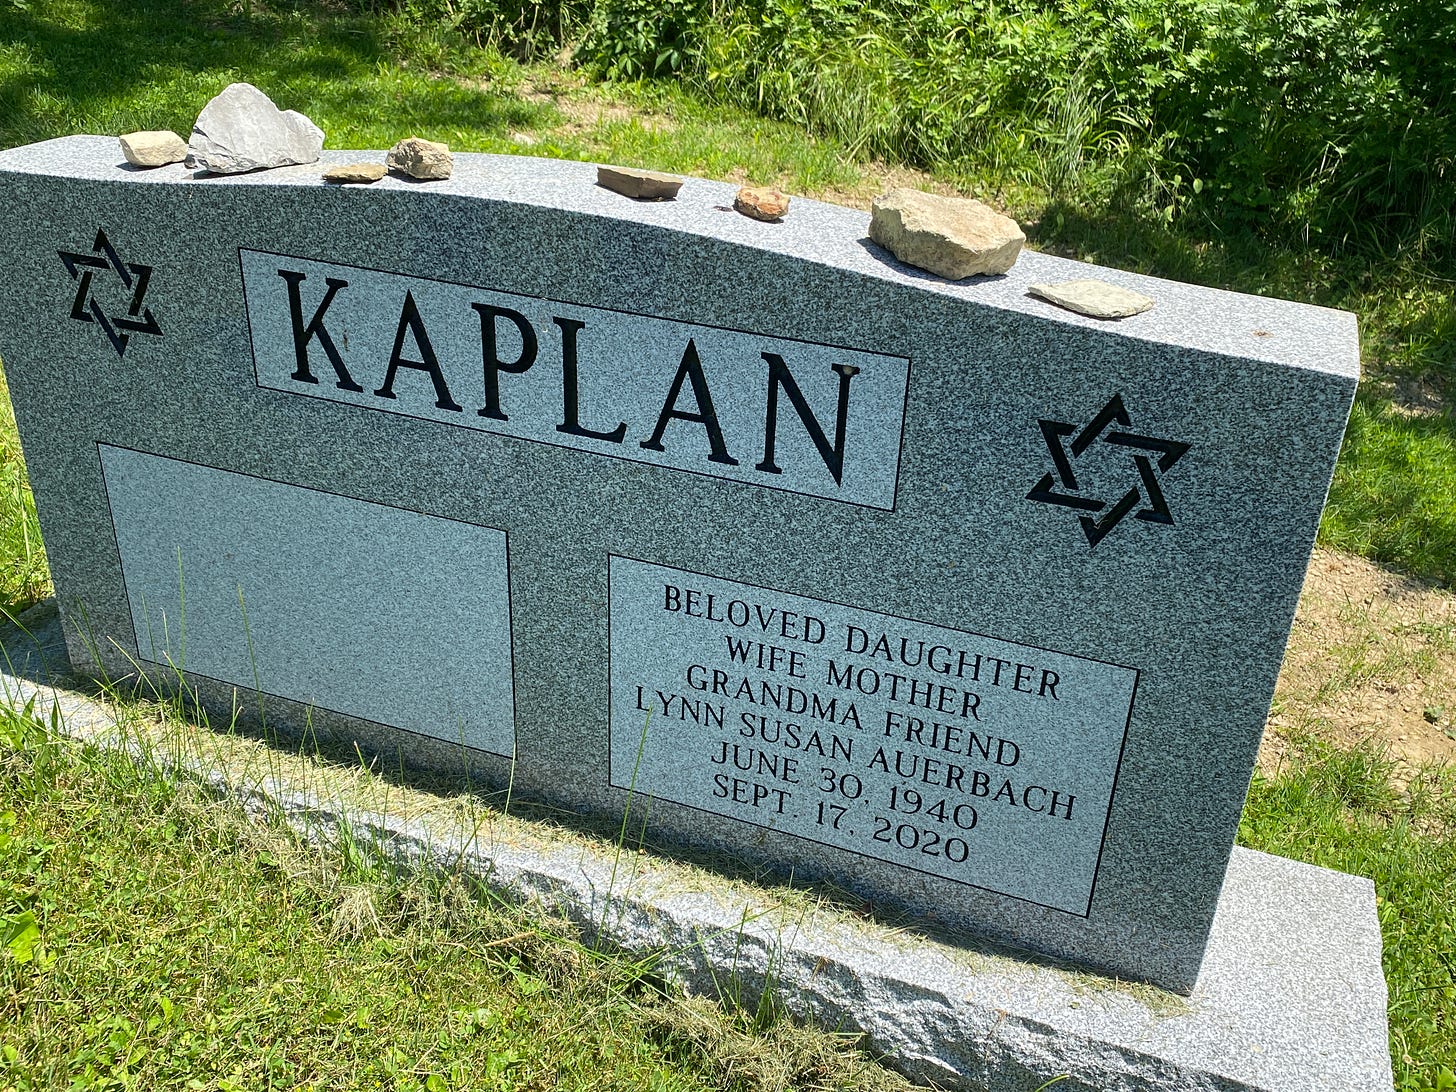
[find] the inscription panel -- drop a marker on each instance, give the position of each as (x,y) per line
(983,761)
(316,597)
(808,418)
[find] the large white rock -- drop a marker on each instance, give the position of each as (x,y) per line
(242,130)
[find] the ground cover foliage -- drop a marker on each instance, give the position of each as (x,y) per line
(24,577)
(1090,150)
(1326,117)
(1343,809)
(1320,116)
(153,936)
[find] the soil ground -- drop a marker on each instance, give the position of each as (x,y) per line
(1371,661)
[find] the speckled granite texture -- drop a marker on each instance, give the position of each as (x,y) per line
(780,407)
(1291,998)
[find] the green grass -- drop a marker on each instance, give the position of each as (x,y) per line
(288,967)
(24,576)
(59,72)
(1341,810)
(1395,489)
(366,81)
(154,937)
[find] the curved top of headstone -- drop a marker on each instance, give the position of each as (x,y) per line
(1203,319)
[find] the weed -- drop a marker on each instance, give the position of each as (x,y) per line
(24,575)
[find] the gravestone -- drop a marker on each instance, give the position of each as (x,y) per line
(968,603)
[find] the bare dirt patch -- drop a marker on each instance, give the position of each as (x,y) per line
(583,112)
(877,178)
(1413,396)
(1371,660)
(585,115)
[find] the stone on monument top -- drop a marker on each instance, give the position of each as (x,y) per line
(356,173)
(243,130)
(1093,297)
(425,160)
(153,148)
(953,237)
(761,203)
(639,184)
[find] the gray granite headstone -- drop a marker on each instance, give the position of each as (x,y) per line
(963,601)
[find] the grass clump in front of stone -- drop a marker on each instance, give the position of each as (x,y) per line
(24,575)
(153,936)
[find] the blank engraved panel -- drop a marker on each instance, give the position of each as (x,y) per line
(358,608)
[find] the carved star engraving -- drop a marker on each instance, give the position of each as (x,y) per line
(134,279)
(1061,487)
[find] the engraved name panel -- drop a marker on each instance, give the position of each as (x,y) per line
(813,419)
(982,761)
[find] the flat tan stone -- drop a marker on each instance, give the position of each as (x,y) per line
(1092,297)
(761,203)
(153,148)
(427,160)
(356,173)
(643,185)
(952,237)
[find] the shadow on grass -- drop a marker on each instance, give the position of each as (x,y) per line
(69,66)
(1238,260)
(1394,494)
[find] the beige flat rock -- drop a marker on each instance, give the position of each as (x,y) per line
(356,173)
(153,148)
(1092,297)
(643,185)
(952,237)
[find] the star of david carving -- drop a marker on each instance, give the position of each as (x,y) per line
(134,278)
(1144,500)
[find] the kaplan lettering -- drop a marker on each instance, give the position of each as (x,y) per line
(787,415)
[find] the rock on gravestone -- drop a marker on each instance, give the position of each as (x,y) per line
(969,603)
(241,129)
